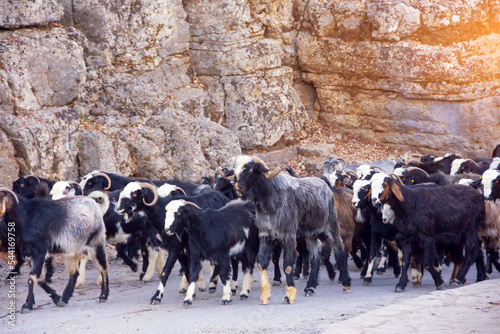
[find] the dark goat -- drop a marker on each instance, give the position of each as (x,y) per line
(143,198)
(414,175)
(217,236)
(441,164)
(289,208)
(30,186)
(70,226)
(122,230)
(97,180)
(431,217)
(461,166)
(496,151)
(379,231)
(223,184)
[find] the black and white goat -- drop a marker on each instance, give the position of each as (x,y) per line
(71,226)
(432,217)
(217,236)
(379,232)
(123,230)
(461,166)
(97,180)
(288,208)
(62,189)
(143,197)
(491,184)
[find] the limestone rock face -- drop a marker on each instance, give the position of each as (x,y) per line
(22,13)
(40,68)
(231,54)
(419,73)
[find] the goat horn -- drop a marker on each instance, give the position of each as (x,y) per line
(153,189)
(416,168)
(32,176)
(270,174)
(319,168)
(345,164)
(104,176)
(221,173)
(7,190)
(396,177)
(350,172)
(193,204)
(475,163)
(180,189)
(75,183)
(377,167)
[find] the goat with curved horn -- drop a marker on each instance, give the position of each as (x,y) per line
(409,169)
(270,174)
(221,173)
(7,190)
(153,189)
(104,176)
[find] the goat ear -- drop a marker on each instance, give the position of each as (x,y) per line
(396,190)
(260,168)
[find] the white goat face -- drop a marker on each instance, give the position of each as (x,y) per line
(61,189)
(166,189)
(378,187)
(489,176)
(126,198)
(171,212)
(388,214)
(356,187)
(455,166)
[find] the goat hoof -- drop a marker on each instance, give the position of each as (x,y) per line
(243,296)
(155,300)
(346,289)
(233,292)
(202,289)
(456,283)
(296,277)
(134,267)
(306,277)
(26,307)
(367,281)
(440,286)
(399,289)
(212,289)
(188,302)
(225,301)
(309,292)
(276,283)
(60,303)
(182,291)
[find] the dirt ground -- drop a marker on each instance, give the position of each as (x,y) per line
(128,309)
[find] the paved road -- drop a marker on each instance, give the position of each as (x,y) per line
(128,309)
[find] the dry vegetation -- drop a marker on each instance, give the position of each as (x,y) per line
(341,145)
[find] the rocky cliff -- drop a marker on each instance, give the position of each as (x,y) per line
(173,89)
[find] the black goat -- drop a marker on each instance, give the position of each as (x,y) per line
(441,164)
(97,180)
(71,226)
(30,186)
(289,208)
(139,197)
(430,217)
(217,236)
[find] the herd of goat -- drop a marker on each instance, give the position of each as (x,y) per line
(439,210)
